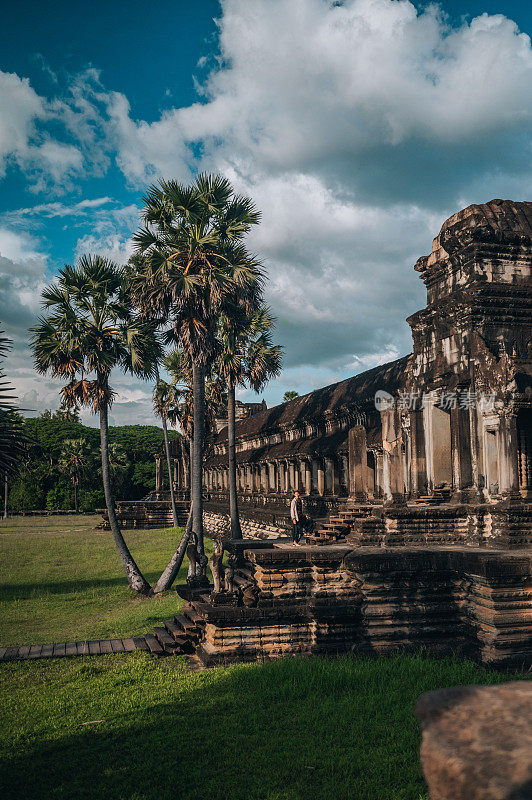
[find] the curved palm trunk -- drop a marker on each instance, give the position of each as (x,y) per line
(174,565)
(191,511)
(169,467)
(134,576)
(168,464)
(76,499)
(196,486)
(236,530)
(5,495)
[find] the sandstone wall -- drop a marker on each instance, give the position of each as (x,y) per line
(372,600)
(217,524)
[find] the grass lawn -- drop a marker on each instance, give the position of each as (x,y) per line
(61,580)
(144,729)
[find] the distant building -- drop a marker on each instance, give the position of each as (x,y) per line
(242,410)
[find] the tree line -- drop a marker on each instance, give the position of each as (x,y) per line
(192,292)
(61,460)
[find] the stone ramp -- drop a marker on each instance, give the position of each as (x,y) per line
(177,636)
(87,647)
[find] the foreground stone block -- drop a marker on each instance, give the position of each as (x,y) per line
(477,742)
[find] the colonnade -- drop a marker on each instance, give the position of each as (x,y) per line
(309,475)
(179,469)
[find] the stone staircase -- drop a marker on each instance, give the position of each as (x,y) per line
(337,527)
(181,634)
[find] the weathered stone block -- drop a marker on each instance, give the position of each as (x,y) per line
(477,742)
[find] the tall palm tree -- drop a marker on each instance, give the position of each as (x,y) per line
(75,459)
(88,331)
(179,408)
(247,357)
(163,400)
(191,260)
(12,439)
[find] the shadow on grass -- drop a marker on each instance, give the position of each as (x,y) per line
(291,730)
(22,591)
(19,591)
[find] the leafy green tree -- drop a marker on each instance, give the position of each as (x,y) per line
(68,414)
(290,395)
(191,260)
(247,357)
(76,458)
(89,331)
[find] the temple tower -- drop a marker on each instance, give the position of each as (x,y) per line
(471,372)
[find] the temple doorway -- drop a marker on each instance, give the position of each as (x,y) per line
(441,449)
(371,473)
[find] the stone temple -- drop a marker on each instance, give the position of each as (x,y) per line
(417,473)
(452,421)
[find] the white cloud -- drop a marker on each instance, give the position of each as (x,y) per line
(57,209)
(303,82)
(111,233)
(55,141)
(356,127)
(21,107)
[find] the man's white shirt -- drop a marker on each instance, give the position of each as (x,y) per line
(293,511)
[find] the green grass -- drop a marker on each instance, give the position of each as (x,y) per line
(61,580)
(139,728)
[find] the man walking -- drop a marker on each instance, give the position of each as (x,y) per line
(297,516)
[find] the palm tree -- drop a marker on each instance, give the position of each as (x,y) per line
(89,331)
(191,260)
(118,463)
(247,357)
(12,439)
(163,399)
(180,411)
(290,395)
(74,460)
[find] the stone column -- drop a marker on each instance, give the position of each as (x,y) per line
(358,463)
(419,457)
(283,466)
(509,464)
(463,489)
(264,483)
(290,484)
(321,478)
(308,477)
(272,477)
(298,476)
(392,461)
(159,476)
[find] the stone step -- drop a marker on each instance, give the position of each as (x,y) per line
(188,626)
(154,646)
(166,640)
(176,631)
(194,615)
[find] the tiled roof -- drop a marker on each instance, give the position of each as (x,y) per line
(352,393)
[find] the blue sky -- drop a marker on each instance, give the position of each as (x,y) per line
(356,127)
